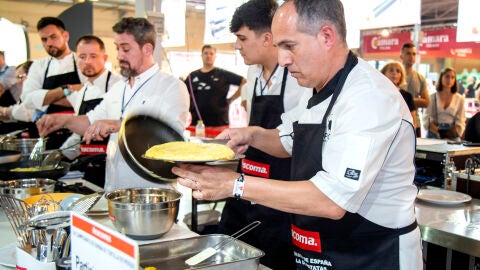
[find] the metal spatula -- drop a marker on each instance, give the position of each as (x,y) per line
(85,203)
(210,251)
(37,152)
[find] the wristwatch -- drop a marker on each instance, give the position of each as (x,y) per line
(66,90)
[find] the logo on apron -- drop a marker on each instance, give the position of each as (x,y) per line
(306,240)
(255,168)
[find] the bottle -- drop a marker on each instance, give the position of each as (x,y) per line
(450,182)
(200,129)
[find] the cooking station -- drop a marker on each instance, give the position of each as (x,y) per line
(450,232)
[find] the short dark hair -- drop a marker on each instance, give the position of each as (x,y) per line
(255,14)
(25,65)
(439,85)
(46,21)
(314,14)
(140,28)
(408,45)
(90,39)
(207,46)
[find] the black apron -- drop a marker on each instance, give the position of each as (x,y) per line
(266,112)
(6,99)
(96,150)
(351,242)
(95,147)
(57,138)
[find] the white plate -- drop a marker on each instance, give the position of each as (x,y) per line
(8,255)
(441,196)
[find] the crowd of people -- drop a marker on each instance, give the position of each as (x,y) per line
(330,143)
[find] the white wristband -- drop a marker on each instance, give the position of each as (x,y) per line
(239,186)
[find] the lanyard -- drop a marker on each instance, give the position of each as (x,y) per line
(262,88)
(124,105)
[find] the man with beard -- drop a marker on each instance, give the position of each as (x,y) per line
(91,58)
(53,78)
(146,90)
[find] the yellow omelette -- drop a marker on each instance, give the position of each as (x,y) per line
(190,151)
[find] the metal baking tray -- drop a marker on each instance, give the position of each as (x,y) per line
(236,255)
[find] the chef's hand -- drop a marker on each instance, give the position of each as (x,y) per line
(100,129)
(238,138)
(207,182)
(51,122)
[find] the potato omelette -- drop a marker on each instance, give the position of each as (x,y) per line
(190,151)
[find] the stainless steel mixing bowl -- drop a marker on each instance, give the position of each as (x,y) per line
(24,188)
(143,213)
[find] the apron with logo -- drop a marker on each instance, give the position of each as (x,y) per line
(266,112)
(95,147)
(57,138)
(352,242)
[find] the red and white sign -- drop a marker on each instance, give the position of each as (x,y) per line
(306,240)
(95,246)
(435,43)
(255,168)
(380,44)
(443,43)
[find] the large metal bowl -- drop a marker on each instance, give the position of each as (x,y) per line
(143,213)
(25,146)
(24,188)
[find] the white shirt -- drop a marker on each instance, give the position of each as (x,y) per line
(8,78)
(94,90)
(32,93)
(454,113)
(371,131)
(293,91)
(163,96)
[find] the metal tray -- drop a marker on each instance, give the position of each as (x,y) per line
(236,255)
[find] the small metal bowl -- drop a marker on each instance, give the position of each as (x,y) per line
(143,213)
(24,188)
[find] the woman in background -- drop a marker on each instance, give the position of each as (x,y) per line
(18,111)
(445,115)
(395,72)
(17,116)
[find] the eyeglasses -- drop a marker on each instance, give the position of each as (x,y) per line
(21,76)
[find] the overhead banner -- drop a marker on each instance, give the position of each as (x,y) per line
(391,44)
(218,14)
(442,43)
(435,43)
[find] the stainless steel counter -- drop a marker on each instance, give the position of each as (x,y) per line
(456,227)
(442,147)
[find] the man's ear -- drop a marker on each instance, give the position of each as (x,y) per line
(148,48)
(66,35)
(327,35)
(267,39)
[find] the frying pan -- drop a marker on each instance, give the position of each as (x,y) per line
(9,156)
(139,133)
(6,174)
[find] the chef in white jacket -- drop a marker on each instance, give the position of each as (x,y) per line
(145,90)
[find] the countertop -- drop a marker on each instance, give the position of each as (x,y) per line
(443,147)
(452,226)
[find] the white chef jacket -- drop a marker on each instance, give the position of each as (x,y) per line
(162,96)
(293,91)
(94,90)
(32,92)
(371,131)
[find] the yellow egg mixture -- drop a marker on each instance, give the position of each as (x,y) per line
(190,151)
